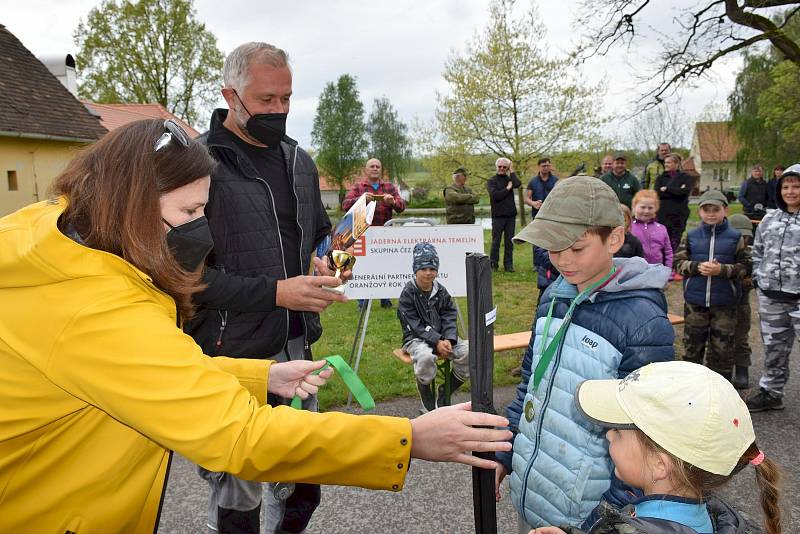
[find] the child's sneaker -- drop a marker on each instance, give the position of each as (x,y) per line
(763,400)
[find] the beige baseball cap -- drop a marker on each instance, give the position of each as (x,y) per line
(574,205)
(686,408)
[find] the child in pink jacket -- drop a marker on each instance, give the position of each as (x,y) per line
(652,234)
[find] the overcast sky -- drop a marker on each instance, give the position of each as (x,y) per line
(396,48)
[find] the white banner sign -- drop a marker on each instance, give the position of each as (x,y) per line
(384,258)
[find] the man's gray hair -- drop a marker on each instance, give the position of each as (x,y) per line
(505,161)
(236,70)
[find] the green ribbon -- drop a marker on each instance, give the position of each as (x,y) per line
(351,380)
(551,348)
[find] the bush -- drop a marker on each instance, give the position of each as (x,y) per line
(419,193)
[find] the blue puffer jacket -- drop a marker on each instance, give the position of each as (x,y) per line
(560,466)
(704,243)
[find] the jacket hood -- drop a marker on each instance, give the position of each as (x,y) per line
(34,252)
(633,274)
(778,196)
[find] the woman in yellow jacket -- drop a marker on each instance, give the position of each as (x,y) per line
(98,384)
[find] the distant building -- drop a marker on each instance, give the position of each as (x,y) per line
(690,169)
(113,116)
(714,147)
(42,124)
(330,192)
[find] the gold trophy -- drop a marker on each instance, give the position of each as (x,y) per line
(340,261)
(352,226)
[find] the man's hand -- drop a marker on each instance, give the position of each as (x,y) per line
(449,434)
(710,268)
(444,348)
(537,204)
(305,293)
(509,185)
(321,267)
(288,379)
(388,200)
(663,189)
(499,475)
(547,530)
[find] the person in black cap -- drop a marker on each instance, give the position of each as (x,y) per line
(459,200)
(428,318)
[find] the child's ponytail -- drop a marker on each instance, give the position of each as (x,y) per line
(768,477)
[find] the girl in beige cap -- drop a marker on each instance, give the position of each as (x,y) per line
(678,470)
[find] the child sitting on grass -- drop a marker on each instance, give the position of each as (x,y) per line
(678,432)
(428,318)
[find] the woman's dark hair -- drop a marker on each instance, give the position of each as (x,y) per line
(113,188)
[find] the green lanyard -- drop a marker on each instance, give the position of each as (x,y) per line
(351,380)
(551,348)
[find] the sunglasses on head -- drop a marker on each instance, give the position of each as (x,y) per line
(172,131)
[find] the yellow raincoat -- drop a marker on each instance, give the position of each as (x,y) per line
(98,385)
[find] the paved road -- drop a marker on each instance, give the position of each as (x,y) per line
(438,497)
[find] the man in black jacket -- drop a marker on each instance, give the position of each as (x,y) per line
(504,212)
(754,194)
(266,217)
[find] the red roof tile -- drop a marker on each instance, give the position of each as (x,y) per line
(113,116)
(717,141)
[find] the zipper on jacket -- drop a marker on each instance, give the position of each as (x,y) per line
(163,493)
(710,258)
(780,248)
(280,243)
(540,422)
(223,319)
(300,248)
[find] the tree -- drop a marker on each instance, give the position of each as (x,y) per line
(763,107)
(387,138)
(662,124)
(339,133)
(702,32)
(149,51)
(499,101)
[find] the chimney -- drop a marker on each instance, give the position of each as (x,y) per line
(63,68)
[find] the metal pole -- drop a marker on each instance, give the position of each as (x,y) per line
(481,314)
(355,338)
(461,326)
(361,346)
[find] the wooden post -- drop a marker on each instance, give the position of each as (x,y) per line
(481,313)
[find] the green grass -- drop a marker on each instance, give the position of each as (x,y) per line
(384,375)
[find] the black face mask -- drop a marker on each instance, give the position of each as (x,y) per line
(190,243)
(268,128)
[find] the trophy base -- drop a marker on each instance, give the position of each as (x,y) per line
(334,289)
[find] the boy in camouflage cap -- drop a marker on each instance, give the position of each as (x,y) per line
(713,259)
(601,319)
(428,318)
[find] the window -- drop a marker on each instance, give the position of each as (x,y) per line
(12,180)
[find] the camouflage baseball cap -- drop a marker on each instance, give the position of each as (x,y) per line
(573,206)
(741,223)
(712,196)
